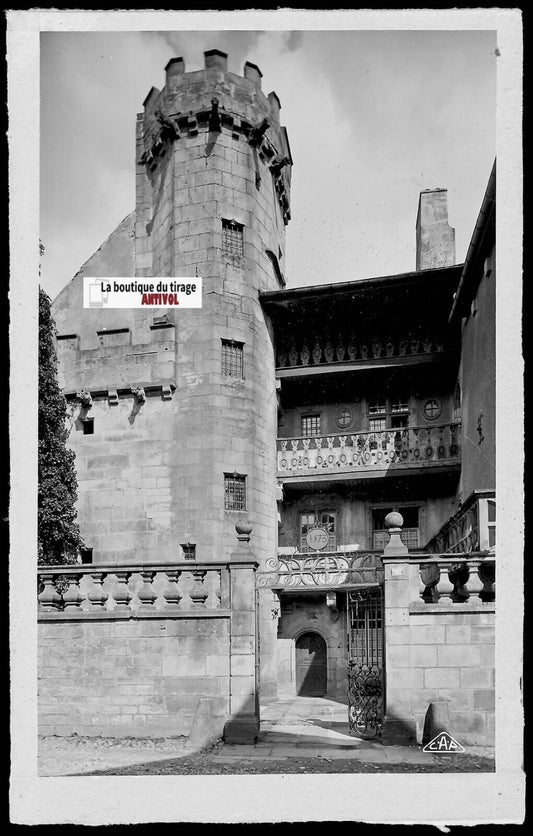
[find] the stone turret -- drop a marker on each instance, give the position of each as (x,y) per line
(171,474)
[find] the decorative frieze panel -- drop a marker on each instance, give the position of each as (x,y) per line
(344,348)
(369,450)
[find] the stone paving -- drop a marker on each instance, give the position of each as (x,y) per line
(299,733)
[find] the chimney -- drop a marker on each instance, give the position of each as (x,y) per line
(435,238)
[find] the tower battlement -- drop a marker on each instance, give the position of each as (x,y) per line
(202,106)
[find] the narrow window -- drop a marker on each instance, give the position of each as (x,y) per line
(232,359)
(310,424)
(232,238)
(189,551)
(88,426)
(234,492)
(86,555)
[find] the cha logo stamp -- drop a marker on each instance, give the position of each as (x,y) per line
(443,742)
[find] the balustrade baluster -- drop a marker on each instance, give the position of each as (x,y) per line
(475,584)
(97,596)
(430,577)
(49,598)
(198,593)
(445,585)
(340,351)
(146,594)
(317,353)
(185,584)
(458,575)
(212,601)
(72,596)
(293,354)
(121,593)
(352,348)
(171,593)
(305,354)
(487,576)
(224,592)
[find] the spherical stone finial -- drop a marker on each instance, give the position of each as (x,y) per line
(243,528)
(393,520)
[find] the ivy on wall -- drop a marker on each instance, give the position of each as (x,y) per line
(59,539)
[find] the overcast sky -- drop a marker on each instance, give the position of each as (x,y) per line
(373,118)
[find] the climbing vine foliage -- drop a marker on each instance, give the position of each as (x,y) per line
(58,532)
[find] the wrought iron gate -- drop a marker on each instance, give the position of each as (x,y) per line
(366,659)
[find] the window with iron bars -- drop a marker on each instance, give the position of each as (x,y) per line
(232,359)
(310,425)
(189,551)
(234,492)
(232,239)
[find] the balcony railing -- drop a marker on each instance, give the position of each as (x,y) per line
(472,528)
(369,451)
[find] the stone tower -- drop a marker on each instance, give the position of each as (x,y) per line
(197,456)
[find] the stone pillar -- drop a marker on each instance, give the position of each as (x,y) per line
(243,723)
(400,587)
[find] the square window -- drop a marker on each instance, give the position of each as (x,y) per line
(189,551)
(376,425)
(234,492)
(310,424)
(88,426)
(232,239)
(86,555)
(232,359)
(377,407)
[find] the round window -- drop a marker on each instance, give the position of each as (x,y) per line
(344,418)
(432,408)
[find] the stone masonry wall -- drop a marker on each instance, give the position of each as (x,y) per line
(437,653)
(134,678)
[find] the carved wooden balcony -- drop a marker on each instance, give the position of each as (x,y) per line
(376,453)
(301,356)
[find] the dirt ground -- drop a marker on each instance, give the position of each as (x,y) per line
(133,756)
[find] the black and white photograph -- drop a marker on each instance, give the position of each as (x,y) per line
(265,333)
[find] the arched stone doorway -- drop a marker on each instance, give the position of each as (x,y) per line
(311,665)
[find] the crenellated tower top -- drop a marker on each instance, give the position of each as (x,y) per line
(214,101)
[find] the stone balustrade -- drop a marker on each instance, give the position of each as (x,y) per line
(446,580)
(346,348)
(363,451)
(121,589)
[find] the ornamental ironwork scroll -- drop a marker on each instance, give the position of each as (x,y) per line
(366,672)
(321,570)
